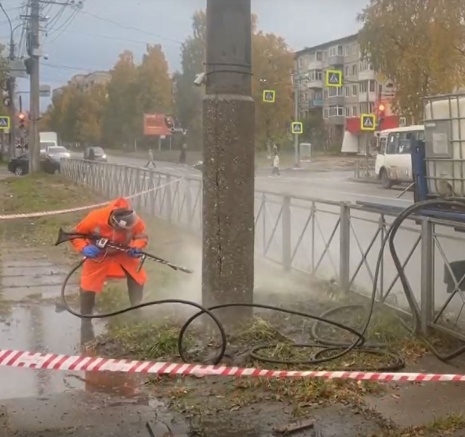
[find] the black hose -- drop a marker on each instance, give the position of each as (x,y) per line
(457,203)
(317,358)
(328,350)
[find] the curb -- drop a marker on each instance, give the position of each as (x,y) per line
(365,181)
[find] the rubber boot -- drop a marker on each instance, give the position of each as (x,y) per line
(87,299)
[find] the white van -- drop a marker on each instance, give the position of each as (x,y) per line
(393,162)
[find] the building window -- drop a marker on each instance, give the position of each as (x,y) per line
(325,94)
(347,48)
(347,70)
(354,90)
(372,86)
(325,55)
(354,69)
(319,56)
(334,92)
(363,86)
(347,91)
(347,109)
(318,95)
(336,111)
(354,111)
(340,50)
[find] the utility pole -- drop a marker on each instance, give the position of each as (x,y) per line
(11,96)
(33,50)
(229,160)
(296,118)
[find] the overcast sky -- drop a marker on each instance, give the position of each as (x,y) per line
(93,38)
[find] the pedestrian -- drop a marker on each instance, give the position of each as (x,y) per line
(275,167)
(182,155)
(151,161)
(120,224)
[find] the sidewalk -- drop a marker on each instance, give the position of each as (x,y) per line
(51,403)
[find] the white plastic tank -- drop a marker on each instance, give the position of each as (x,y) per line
(445,145)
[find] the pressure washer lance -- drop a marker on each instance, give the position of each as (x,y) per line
(105,243)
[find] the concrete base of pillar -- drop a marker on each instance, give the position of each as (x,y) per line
(228,204)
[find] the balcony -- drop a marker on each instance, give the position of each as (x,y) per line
(336,101)
(335,61)
(316,65)
(315,84)
(336,120)
(366,75)
(316,103)
(363,98)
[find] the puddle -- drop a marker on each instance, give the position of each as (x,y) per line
(39,328)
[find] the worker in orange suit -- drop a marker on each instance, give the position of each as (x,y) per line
(120,224)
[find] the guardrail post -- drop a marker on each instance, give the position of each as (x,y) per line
(344,248)
(168,199)
(286,233)
(427,275)
(187,184)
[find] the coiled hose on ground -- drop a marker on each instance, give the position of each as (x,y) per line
(328,350)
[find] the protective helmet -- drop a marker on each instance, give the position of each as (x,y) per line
(123,218)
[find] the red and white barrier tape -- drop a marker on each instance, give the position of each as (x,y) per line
(81,208)
(33,360)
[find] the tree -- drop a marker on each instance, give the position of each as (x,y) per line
(188,97)
(419,45)
(272,65)
(155,85)
(121,122)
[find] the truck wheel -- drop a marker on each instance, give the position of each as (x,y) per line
(385,182)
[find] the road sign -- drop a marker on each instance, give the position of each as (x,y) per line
(45,91)
(269,96)
(368,122)
(17,68)
(4,122)
(297,128)
(333,78)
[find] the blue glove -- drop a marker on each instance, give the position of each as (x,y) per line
(91,251)
(135,252)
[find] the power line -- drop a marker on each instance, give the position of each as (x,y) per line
(68,67)
(64,26)
(124,26)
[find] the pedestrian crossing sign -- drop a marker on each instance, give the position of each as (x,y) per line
(297,128)
(269,96)
(4,122)
(368,122)
(333,78)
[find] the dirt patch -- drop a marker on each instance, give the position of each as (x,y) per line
(245,405)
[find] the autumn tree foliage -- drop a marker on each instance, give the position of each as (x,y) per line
(272,63)
(419,45)
(113,114)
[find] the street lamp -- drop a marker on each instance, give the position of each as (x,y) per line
(297,78)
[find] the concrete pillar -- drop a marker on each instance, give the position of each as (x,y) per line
(229,155)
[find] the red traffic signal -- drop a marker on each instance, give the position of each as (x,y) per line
(22,120)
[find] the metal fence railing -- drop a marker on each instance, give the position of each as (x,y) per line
(333,240)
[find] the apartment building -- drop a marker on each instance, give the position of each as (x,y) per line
(86,81)
(363,89)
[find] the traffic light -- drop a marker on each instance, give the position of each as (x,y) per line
(381,113)
(22,121)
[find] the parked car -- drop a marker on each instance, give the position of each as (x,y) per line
(20,165)
(95,153)
(57,153)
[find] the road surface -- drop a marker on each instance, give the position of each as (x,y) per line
(327,185)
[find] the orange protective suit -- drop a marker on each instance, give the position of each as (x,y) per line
(111,264)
